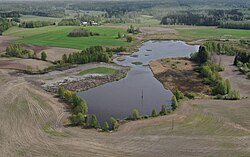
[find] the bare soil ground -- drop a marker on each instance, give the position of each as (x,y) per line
(32,124)
(56,53)
(23,64)
(238,80)
(178,74)
(4,42)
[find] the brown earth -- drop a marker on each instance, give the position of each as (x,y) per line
(4,42)
(23,64)
(56,53)
(178,74)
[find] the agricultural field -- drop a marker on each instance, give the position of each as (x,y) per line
(57,36)
(197,128)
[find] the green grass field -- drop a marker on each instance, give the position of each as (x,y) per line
(57,36)
(212,32)
(99,70)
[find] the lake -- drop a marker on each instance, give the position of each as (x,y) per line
(139,89)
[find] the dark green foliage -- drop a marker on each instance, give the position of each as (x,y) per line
(119,35)
(129,39)
(43,56)
(94,122)
(118,49)
(114,123)
(221,48)
(77,104)
(89,18)
(190,95)
(17,51)
(233,95)
(178,94)
(5,24)
(136,114)
(154,113)
(68,96)
(210,73)
(174,103)
(82,33)
(81,108)
(106,126)
(10,14)
(202,56)
(78,119)
(163,110)
(133,30)
(235,25)
(92,54)
(69,22)
(61,92)
(243,57)
(228,86)
(205,18)
(35,24)
(220,88)
(64,58)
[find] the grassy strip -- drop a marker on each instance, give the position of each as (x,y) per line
(98,70)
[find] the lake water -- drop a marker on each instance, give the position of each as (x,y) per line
(139,89)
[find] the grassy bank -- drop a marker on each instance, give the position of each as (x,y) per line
(99,70)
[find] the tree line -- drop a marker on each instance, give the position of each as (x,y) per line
(92,54)
(9,14)
(202,18)
(35,24)
(80,115)
(69,22)
(235,25)
(5,24)
(82,33)
(222,48)
(18,51)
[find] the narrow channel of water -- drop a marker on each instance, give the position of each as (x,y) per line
(139,89)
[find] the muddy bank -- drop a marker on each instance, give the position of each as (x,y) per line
(178,73)
(71,78)
(82,83)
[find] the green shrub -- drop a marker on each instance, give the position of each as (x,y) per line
(178,94)
(114,123)
(174,103)
(163,110)
(154,113)
(136,114)
(94,122)
(106,126)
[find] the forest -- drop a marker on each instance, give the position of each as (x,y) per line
(202,18)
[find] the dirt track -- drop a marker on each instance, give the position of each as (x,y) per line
(239,81)
(32,125)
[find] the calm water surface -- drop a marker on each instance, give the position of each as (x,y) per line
(139,89)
